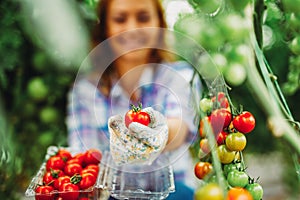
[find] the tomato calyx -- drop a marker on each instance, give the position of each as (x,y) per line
(75,179)
(136,108)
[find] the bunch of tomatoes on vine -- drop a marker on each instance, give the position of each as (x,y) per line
(229,128)
(69,177)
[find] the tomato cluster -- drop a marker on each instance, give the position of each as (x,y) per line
(69,177)
(229,128)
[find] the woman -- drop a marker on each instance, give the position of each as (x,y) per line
(131,66)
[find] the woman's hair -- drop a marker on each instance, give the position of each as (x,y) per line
(99,35)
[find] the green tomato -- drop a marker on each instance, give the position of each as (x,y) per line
(237,178)
(49,115)
(235,74)
(232,166)
(236,141)
(206,105)
(225,155)
(211,191)
(255,190)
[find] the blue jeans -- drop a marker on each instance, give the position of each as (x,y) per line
(181,192)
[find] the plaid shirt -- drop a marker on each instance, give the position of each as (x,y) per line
(166,89)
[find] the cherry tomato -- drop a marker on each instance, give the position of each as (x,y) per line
(65,154)
(201,169)
(79,157)
(225,155)
(74,160)
(69,191)
(50,176)
(55,162)
(93,166)
(87,180)
(222,100)
(236,141)
(220,119)
(211,191)
(44,192)
(221,137)
(61,180)
(72,169)
(204,126)
(255,190)
(137,115)
(237,178)
(244,122)
(204,146)
(237,193)
(206,105)
(232,166)
(92,156)
(90,170)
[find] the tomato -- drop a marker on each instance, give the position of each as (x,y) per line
(204,146)
(61,180)
(211,191)
(37,89)
(44,192)
(72,169)
(237,193)
(55,162)
(237,178)
(92,156)
(93,166)
(50,176)
(222,101)
(79,157)
(137,115)
(90,170)
(255,190)
(221,137)
(69,191)
(87,180)
(204,126)
(244,122)
(232,166)
(65,154)
(225,155)
(236,141)
(220,119)
(206,105)
(74,160)
(201,169)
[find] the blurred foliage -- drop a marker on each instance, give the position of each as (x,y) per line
(33,87)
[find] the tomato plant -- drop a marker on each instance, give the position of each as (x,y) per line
(237,178)
(236,141)
(135,114)
(244,122)
(201,169)
(44,192)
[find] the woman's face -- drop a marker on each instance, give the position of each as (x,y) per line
(126,20)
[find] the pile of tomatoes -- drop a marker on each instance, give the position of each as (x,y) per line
(229,128)
(69,177)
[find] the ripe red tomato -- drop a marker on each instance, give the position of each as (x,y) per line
(69,191)
(72,169)
(55,162)
(93,166)
(50,176)
(87,180)
(44,192)
(64,154)
(237,193)
(92,156)
(222,100)
(90,170)
(80,157)
(244,122)
(221,137)
(220,119)
(74,160)
(61,180)
(137,115)
(201,169)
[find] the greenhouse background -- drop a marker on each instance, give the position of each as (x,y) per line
(42,44)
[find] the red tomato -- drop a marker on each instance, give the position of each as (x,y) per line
(237,193)
(90,170)
(50,176)
(69,191)
(55,162)
(80,157)
(74,160)
(137,115)
(221,137)
(72,169)
(244,122)
(61,180)
(44,192)
(93,166)
(204,126)
(222,100)
(92,156)
(220,119)
(201,169)
(65,154)
(87,180)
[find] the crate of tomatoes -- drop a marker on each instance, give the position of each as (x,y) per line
(66,175)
